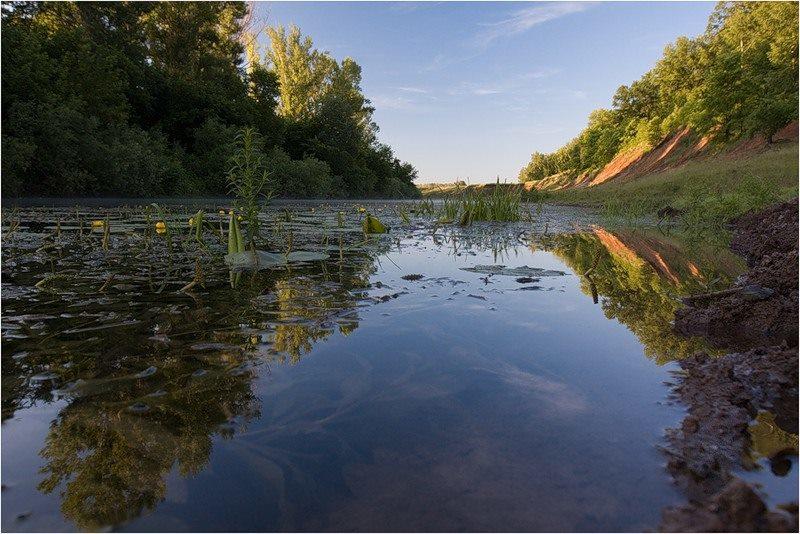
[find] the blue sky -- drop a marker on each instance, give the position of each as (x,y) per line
(469,89)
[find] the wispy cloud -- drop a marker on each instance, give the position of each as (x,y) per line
(392,102)
(515,84)
(417,90)
(525,19)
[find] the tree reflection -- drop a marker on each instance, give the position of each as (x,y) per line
(637,277)
(141,406)
(112,450)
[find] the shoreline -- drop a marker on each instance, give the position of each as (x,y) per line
(728,396)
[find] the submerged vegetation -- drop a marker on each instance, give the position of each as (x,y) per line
(738,79)
(146,99)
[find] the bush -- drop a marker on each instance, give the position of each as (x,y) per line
(304,178)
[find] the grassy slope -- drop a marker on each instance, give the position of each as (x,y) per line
(712,189)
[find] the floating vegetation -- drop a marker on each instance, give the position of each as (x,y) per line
(373,225)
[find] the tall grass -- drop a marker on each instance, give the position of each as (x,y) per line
(469,205)
(503,204)
(708,193)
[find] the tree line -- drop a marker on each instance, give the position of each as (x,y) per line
(146,99)
(738,79)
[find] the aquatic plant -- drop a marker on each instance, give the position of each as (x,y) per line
(106,234)
(403,214)
(424,208)
(162,227)
(373,225)
(196,227)
(449,211)
(235,238)
(503,204)
(248,180)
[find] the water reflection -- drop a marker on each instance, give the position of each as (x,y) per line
(143,379)
(148,377)
(637,276)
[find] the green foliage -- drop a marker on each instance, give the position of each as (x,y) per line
(307,177)
(710,192)
(503,204)
(145,99)
(373,225)
(248,180)
(739,78)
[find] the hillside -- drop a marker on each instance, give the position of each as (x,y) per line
(674,152)
(725,94)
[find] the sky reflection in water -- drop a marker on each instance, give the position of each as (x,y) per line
(339,396)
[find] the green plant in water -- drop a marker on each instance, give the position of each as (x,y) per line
(403,214)
(235,244)
(425,208)
(196,227)
(449,210)
(373,225)
(248,180)
(501,206)
(106,234)
(161,224)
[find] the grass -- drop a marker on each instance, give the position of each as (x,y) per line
(503,204)
(708,192)
(466,205)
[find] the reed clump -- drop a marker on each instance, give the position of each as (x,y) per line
(501,205)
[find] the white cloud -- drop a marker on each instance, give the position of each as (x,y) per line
(417,90)
(391,102)
(519,84)
(525,19)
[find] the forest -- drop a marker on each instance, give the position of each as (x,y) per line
(144,99)
(738,79)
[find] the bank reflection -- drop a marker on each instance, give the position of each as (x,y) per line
(638,277)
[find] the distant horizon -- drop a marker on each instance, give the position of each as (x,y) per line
(468,90)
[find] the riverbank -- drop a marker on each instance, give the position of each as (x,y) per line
(711,190)
(704,193)
(729,397)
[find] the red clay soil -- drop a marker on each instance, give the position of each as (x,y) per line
(673,152)
(724,394)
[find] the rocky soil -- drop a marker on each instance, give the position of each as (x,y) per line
(758,320)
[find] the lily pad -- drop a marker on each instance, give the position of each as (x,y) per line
(248,261)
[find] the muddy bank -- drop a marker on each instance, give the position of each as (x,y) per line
(757,318)
(761,309)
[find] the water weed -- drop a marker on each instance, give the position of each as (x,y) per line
(248,180)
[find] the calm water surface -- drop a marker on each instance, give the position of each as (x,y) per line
(335,394)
